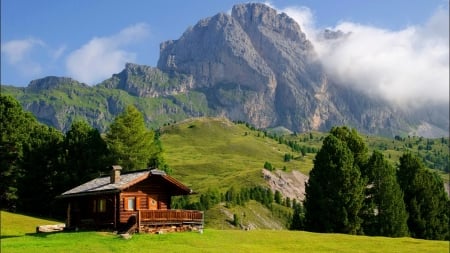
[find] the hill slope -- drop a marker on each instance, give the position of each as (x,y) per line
(206,152)
(217,153)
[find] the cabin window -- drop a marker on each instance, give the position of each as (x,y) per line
(99,206)
(131,203)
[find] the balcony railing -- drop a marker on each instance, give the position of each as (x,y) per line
(164,216)
(170,215)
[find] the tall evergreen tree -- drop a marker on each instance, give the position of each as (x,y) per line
(297,222)
(425,198)
(85,154)
(384,212)
(15,128)
(40,167)
(354,142)
(131,144)
(335,190)
(277,197)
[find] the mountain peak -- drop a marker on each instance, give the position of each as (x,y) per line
(261,16)
(250,62)
(51,82)
(255,13)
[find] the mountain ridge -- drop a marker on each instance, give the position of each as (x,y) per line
(253,65)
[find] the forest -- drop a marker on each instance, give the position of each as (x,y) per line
(350,189)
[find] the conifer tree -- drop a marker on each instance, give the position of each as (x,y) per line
(335,190)
(16,126)
(277,197)
(85,154)
(131,144)
(384,210)
(354,142)
(297,218)
(426,200)
(40,167)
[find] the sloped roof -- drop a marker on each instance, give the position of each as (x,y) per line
(104,185)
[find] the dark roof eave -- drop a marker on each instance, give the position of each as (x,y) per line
(80,194)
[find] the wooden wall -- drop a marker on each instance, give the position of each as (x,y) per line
(151,193)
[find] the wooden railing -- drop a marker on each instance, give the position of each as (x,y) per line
(170,216)
(160,217)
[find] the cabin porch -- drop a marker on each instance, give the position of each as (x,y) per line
(156,220)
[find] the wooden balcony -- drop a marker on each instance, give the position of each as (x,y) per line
(164,217)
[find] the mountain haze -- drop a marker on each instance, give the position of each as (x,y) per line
(254,65)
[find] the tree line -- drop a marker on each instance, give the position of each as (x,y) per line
(39,162)
(352,191)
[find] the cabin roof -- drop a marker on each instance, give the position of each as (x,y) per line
(103,185)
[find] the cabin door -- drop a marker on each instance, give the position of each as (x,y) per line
(153,202)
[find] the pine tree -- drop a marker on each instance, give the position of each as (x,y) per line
(131,144)
(354,142)
(335,190)
(384,210)
(425,198)
(40,167)
(297,218)
(16,125)
(277,197)
(85,154)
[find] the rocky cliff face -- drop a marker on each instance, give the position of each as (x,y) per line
(258,66)
(145,81)
(52,82)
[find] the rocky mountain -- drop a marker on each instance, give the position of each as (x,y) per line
(257,65)
(145,81)
(254,65)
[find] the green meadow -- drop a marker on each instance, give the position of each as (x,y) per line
(216,153)
(18,235)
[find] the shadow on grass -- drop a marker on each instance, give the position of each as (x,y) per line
(9,236)
(67,232)
(43,235)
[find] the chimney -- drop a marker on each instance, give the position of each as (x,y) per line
(115,174)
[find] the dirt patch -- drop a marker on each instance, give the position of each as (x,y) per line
(289,184)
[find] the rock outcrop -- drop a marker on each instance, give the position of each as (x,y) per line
(145,81)
(257,65)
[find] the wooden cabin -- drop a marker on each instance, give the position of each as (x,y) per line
(136,201)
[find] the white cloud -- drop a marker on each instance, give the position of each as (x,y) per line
(408,67)
(31,57)
(101,57)
(17,51)
(18,54)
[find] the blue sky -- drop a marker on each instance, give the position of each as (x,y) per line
(89,40)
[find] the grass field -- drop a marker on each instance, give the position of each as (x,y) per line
(18,236)
(214,152)
(205,152)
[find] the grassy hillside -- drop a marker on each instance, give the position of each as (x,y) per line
(60,106)
(17,236)
(214,152)
(252,216)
